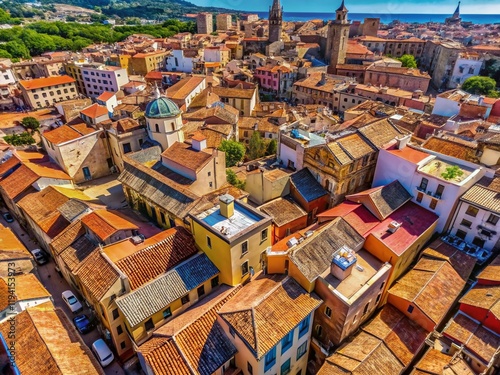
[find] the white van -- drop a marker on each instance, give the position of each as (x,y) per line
(102,352)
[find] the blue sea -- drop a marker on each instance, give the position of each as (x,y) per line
(388,18)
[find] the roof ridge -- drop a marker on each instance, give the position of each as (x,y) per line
(255,336)
(181,353)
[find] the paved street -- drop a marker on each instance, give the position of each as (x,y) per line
(55,284)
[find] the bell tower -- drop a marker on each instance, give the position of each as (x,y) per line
(275,21)
(338,36)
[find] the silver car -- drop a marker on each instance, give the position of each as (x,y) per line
(72,302)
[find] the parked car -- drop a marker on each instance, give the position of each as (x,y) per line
(102,352)
(72,302)
(8,217)
(83,323)
(39,256)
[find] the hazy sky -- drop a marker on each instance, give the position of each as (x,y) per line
(364,6)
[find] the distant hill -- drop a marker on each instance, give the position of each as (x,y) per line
(150,9)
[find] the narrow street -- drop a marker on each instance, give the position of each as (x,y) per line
(56,284)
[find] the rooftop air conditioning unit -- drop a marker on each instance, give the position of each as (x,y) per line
(292,242)
(136,240)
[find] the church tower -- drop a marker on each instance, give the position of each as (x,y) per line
(275,21)
(338,35)
(455,18)
(164,121)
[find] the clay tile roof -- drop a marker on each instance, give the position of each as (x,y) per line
(97,275)
(67,237)
(460,261)
(482,296)
(29,287)
(433,362)
(266,310)
(451,147)
(382,201)
(105,223)
(198,136)
(179,347)
(283,211)
(485,193)
(61,134)
(379,133)
(45,82)
(94,111)
(226,92)
(127,125)
(492,271)
(432,285)
(106,95)
(183,154)
(18,181)
(154,260)
(46,344)
(8,165)
(49,170)
(182,89)
(77,252)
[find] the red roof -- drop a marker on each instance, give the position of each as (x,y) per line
(95,111)
(105,96)
(154,75)
(414,219)
(45,82)
(338,211)
(410,154)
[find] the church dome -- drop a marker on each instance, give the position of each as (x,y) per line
(162,107)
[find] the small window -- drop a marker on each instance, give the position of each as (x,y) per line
(423,184)
(149,324)
(210,184)
(209,173)
(285,367)
(249,368)
(472,211)
(263,235)
(214,282)
(301,350)
(286,342)
(167,313)
(365,310)
(270,359)
(304,326)
(209,242)
(439,191)
(201,291)
(244,268)
(185,299)
(420,196)
(123,345)
(119,330)
(116,315)
(410,309)
(328,312)
(318,330)
(466,223)
(478,241)
(378,298)
(492,219)
(461,234)
(244,247)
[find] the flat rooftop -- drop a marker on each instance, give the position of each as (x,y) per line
(437,167)
(241,219)
(365,268)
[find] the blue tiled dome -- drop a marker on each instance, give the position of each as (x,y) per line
(162,107)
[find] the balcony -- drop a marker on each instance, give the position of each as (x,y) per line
(434,195)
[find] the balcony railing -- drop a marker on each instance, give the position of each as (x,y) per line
(429,193)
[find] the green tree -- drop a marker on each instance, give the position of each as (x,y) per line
(5,54)
(452,172)
(17,49)
(235,152)
(22,139)
(479,85)
(256,146)
(30,123)
(408,61)
(272,147)
(233,179)
(492,70)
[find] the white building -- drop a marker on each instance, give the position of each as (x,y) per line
(476,219)
(466,66)
(423,175)
(184,91)
(164,121)
(268,341)
(6,75)
(99,78)
(454,102)
(178,62)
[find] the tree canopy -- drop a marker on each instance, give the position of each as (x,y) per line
(481,86)
(256,146)
(22,139)
(30,123)
(408,61)
(235,152)
(233,179)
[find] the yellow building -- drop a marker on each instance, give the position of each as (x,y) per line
(143,63)
(123,61)
(234,236)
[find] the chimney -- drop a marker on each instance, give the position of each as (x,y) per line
(323,78)
(226,204)
(402,141)
(343,262)
(480,101)
(198,142)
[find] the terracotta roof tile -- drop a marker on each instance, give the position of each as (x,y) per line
(267,309)
(8,165)
(94,111)
(97,275)
(485,194)
(283,211)
(48,169)
(45,82)
(432,285)
(67,237)
(492,271)
(61,134)
(106,95)
(105,223)
(182,89)
(18,181)
(226,92)
(44,345)
(482,296)
(184,155)
(154,260)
